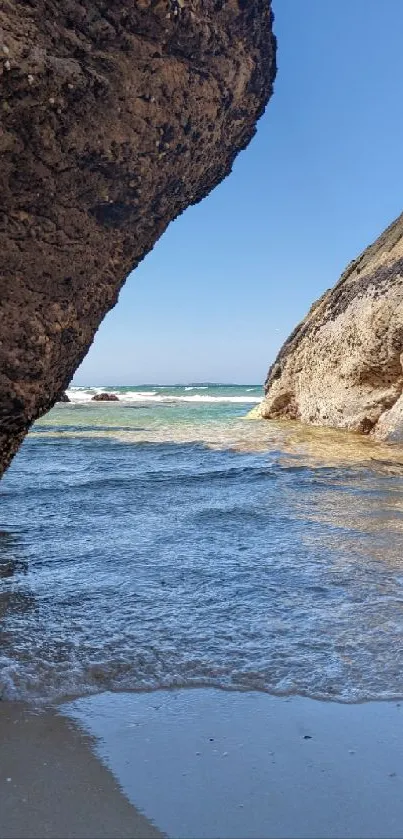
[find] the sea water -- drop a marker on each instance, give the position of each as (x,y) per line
(165,540)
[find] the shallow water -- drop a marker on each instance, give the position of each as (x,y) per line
(162,542)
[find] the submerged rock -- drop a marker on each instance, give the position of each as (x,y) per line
(7,569)
(105,397)
(115,117)
(342,366)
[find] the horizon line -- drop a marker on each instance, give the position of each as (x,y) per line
(172,384)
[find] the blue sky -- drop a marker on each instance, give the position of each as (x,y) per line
(232,276)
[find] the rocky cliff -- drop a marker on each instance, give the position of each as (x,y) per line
(115,116)
(342,366)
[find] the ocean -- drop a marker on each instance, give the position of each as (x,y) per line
(166,540)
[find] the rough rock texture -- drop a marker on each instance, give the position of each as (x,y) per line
(62,397)
(342,366)
(105,397)
(115,116)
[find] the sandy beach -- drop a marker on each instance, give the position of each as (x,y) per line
(52,785)
(202,764)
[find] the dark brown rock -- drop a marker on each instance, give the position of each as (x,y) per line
(7,569)
(115,116)
(105,397)
(63,397)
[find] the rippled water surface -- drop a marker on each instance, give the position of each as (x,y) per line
(166,542)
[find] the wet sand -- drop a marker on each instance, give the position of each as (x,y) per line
(52,784)
(202,764)
(211,764)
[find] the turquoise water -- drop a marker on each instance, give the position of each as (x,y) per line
(166,540)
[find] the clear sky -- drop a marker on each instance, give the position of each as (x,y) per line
(232,276)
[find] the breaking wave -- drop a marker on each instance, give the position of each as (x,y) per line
(84,395)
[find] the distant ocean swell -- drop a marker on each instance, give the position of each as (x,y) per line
(80,394)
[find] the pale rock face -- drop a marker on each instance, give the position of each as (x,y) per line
(342,366)
(390,424)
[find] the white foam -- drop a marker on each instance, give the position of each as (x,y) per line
(81,394)
(150,396)
(136,394)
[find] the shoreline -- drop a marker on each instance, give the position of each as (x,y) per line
(202,763)
(52,785)
(213,764)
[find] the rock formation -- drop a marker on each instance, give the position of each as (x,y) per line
(105,397)
(115,116)
(342,366)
